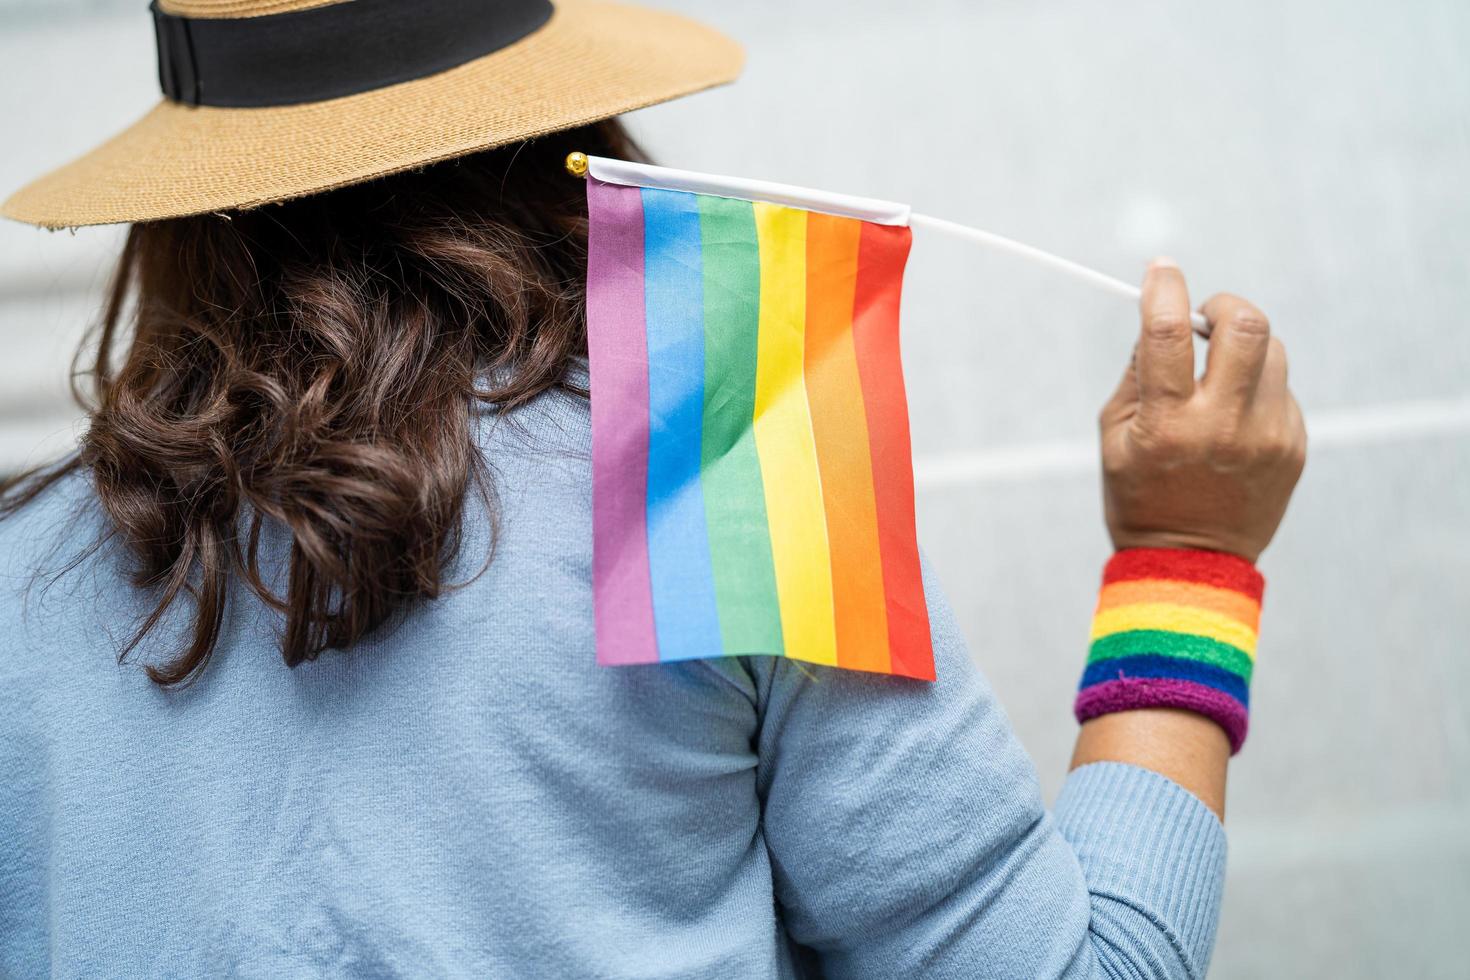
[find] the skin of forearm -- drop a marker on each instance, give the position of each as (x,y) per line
(1188,748)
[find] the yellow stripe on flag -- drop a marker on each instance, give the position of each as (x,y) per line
(785,444)
(1175,619)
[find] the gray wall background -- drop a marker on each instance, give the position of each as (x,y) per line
(1312,155)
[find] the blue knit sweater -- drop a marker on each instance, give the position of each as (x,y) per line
(467,794)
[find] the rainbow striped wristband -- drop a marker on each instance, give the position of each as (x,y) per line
(1174,629)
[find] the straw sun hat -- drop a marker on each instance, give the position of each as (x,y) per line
(272,99)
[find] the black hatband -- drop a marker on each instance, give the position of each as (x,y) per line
(327,52)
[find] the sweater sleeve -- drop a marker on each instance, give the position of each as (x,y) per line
(908,838)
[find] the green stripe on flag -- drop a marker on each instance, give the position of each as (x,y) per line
(734,496)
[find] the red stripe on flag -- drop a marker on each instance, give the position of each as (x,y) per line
(882,253)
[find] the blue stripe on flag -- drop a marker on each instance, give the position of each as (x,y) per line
(685,615)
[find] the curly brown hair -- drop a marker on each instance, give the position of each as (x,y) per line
(317,364)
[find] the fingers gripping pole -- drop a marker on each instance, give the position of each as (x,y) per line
(1002,244)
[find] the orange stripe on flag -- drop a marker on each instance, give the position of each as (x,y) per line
(835,394)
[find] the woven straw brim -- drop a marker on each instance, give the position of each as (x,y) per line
(591,60)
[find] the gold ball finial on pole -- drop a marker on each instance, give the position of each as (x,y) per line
(577,163)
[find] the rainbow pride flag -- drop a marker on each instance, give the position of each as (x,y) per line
(752,480)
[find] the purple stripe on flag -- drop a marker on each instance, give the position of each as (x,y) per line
(617,352)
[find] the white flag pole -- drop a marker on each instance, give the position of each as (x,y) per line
(867,209)
(1012,247)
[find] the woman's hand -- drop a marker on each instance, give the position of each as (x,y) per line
(1207,463)
(1193,463)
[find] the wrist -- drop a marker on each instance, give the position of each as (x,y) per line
(1174,628)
